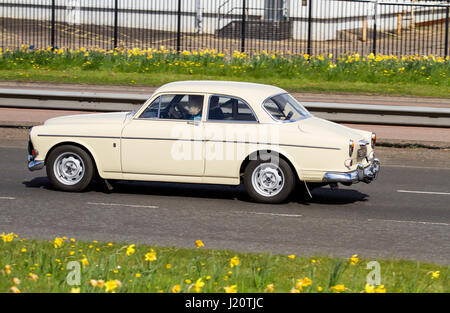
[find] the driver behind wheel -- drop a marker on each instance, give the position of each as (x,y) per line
(195,107)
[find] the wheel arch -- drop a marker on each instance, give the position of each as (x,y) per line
(76,144)
(281,155)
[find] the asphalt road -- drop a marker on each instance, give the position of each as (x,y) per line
(387,218)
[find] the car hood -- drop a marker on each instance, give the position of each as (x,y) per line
(315,125)
(96,118)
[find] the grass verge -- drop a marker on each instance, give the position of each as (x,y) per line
(388,75)
(157,79)
(44,266)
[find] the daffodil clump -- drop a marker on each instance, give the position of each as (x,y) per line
(48,266)
(424,70)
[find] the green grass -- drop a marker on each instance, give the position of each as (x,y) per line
(254,272)
(412,76)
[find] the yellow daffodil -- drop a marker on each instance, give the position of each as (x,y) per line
(8,269)
(234,261)
(84,261)
(151,256)
(138,275)
(188,281)
(168,266)
(380,289)
(338,288)
(198,285)
(75,290)
(270,288)
(231,289)
(176,289)
(305,282)
(7,238)
(23,250)
(292,256)
(354,259)
(369,288)
(199,243)
(130,249)
(435,275)
(319,289)
(111,285)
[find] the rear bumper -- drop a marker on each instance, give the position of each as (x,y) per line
(366,174)
(33,165)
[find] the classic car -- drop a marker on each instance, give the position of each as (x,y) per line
(210,132)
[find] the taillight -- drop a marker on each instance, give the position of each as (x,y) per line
(351,147)
(374,140)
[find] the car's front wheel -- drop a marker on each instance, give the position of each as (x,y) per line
(69,168)
(269,180)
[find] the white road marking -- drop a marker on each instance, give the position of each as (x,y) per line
(272,214)
(425,192)
(7,198)
(125,205)
(411,222)
(419,167)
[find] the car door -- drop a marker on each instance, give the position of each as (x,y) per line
(166,137)
(230,128)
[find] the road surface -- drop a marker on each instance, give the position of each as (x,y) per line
(404,214)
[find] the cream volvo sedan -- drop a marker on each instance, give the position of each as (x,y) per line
(211,132)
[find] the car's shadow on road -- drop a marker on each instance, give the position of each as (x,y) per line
(322,195)
(325,195)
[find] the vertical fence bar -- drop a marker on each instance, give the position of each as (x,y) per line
(179,27)
(116,22)
(244,5)
(308,48)
(53,24)
(446,32)
(374,46)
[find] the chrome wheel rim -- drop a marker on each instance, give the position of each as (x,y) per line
(69,168)
(268,179)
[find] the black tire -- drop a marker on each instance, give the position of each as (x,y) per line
(78,158)
(281,194)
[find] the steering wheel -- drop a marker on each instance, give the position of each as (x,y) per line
(288,117)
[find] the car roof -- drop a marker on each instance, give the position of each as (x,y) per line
(247,91)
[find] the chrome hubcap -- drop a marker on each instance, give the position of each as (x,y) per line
(268,179)
(69,168)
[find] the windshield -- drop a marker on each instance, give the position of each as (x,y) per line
(284,107)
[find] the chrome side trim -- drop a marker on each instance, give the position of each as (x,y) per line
(204,140)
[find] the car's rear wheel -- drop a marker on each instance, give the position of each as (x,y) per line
(70,168)
(269,180)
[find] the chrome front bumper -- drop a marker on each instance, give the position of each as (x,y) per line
(365,174)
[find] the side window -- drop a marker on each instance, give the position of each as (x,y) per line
(222,108)
(175,107)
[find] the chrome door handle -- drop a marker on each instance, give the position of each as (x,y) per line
(194,122)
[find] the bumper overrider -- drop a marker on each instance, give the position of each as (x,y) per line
(366,174)
(32,154)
